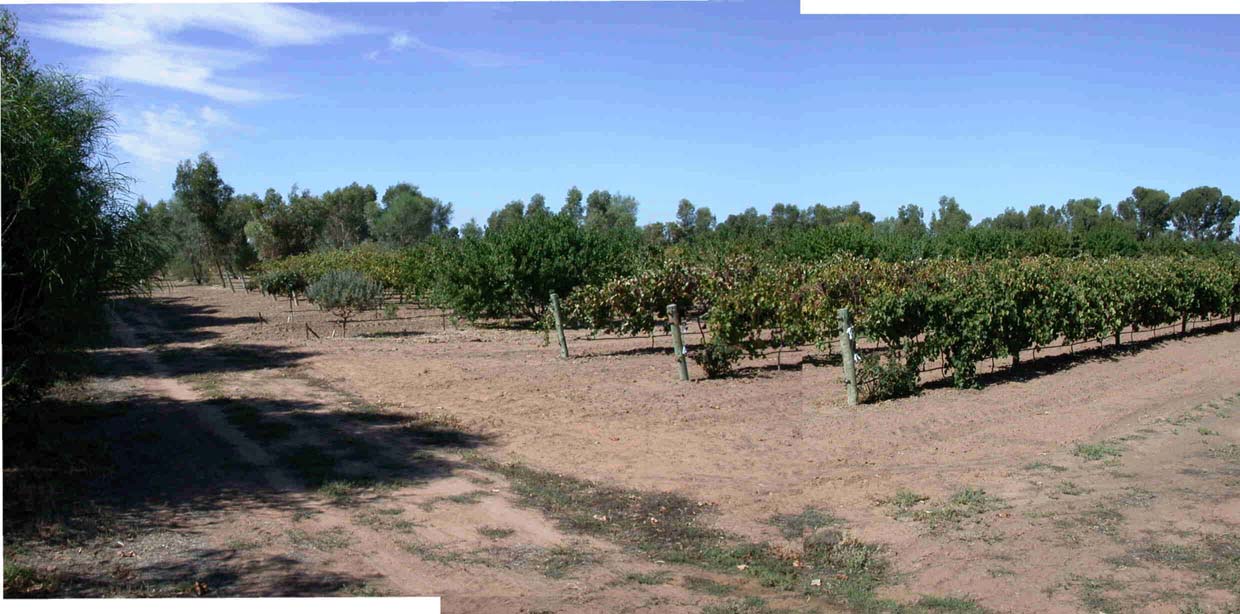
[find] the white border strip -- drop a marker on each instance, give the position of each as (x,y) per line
(1020,7)
(333,605)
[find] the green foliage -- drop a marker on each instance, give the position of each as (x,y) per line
(345,294)
(68,241)
(410,217)
(716,358)
(961,311)
(512,270)
(288,283)
(890,375)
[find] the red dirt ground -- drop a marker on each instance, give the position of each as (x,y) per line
(1060,532)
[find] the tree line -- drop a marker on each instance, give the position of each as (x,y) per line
(210,229)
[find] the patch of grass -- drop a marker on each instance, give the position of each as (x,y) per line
(1040,466)
(495,532)
(948,604)
(795,526)
(1092,593)
(903,502)
(1101,518)
(25,581)
(1071,489)
(1229,452)
(964,504)
(1134,496)
(1097,451)
(242,544)
(348,491)
(997,572)
(386,519)
(466,498)
(326,541)
(365,589)
(208,384)
(1186,418)
(649,579)
(708,586)
(559,561)
(1206,432)
(672,529)
(748,605)
(301,515)
(1215,559)
(438,554)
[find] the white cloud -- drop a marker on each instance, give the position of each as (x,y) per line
(215,117)
(476,58)
(137,42)
(399,41)
(159,138)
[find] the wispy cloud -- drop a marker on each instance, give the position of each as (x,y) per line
(160,137)
(138,42)
(399,41)
(476,58)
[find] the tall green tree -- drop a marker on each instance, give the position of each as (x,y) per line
(950,218)
(68,237)
(822,215)
(1082,214)
(505,216)
(1205,213)
(537,206)
(704,221)
(199,187)
(347,213)
(1149,209)
(911,221)
(607,211)
(409,216)
(1044,217)
(572,206)
(686,222)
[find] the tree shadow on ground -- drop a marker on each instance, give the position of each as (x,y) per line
(180,361)
(204,572)
(641,351)
(180,319)
(97,459)
(391,334)
(77,469)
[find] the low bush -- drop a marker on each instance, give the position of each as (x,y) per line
(345,294)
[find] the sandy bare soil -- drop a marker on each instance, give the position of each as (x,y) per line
(1104,481)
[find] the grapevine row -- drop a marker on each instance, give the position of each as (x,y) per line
(959,311)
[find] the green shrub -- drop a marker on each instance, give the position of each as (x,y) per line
(887,376)
(716,358)
(345,294)
(283,283)
(514,268)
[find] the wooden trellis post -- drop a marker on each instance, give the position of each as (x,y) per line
(678,343)
(850,358)
(559,325)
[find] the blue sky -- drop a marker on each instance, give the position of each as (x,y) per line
(729,104)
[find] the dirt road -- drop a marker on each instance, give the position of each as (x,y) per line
(246,459)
